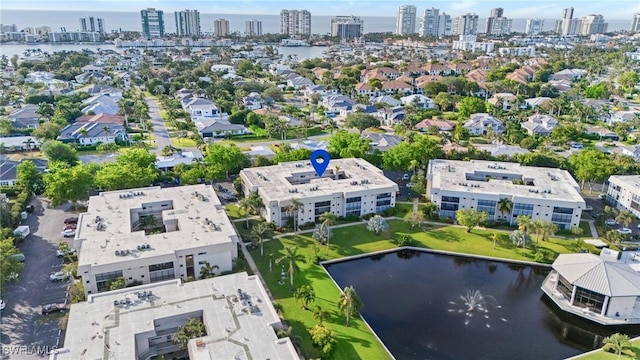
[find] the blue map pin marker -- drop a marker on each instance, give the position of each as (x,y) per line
(320,166)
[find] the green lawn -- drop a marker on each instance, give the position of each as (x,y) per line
(183,142)
(602,355)
(234,212)
(357,342)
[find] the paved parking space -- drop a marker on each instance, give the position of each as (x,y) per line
(26,333)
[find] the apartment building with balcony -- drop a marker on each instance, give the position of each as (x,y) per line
(152,234)
(348,187)
(541,193)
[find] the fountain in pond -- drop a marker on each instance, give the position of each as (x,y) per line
(473,302)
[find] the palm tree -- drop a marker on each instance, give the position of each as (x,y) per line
(328,218)
(626,217)
(291,257)
(505,205)
(537,227)
(306,294)
(84,132)
(349,303)
(259,232)
(245,205)
(194,328)
(524,225)
(148,221)
(292,210)
(614,236)
(413,165)
(320,315)
(549,229)
(207,271)
(619,343)
(495,237)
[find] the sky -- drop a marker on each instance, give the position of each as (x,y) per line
(515,9)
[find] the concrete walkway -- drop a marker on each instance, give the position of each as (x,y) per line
(592,226)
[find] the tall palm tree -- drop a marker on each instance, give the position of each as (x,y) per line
(259,232)
(537,227)
(246,206)
(207,270)
(328,218)
(626,217)
(84,132)
(306,294)
(619,343)
(292,210)
(291,257)
(524,225)
(349,303)
(494,238)
(549,229)
(505,205)
(320,315)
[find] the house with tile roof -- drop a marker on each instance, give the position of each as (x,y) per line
(504,100)
(423,102)
(92,133)
(539,124)
(442,125)
(392,86)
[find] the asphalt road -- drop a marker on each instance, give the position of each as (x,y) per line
(159,130)
(24,329)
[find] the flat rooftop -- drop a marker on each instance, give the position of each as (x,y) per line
(194,213)
(630,180)
(236,328)
(502,178)
(298,179)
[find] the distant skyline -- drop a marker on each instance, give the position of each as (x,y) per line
(547,9)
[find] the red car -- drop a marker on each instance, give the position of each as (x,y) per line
(70,227)
(71,220)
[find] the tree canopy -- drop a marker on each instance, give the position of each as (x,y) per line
(471,105)
(361,121)
(421,150)
(57,151)
(345,145)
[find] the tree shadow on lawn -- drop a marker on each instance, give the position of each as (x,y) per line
(445,235)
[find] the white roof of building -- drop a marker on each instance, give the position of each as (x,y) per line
(260,151)
(594,273)
(115,212)
(630,180)
(97,327)
(471,176)
(298,180)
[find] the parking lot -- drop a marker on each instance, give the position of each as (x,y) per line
(26,333)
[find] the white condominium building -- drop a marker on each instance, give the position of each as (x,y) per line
(593,24)
(434,23)
(624,193)
(152,234)
(534,26)
(295,23)
(348,187)
(466,24)
(541,193)
(139,323)
(187,23)
(406,20)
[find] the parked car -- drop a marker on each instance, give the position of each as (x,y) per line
(62,253)
(602,196)
(406,177)
(409,185)
(68,233)
(70,227)
(14,276)
(51,308)
(625,231)
(2,304)
(19,257)
(611,222)
(71,220)
(30,209)
(59,276)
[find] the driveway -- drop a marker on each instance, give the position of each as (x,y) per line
(159,130)
(25,332)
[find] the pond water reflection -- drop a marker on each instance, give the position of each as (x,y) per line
(425,305)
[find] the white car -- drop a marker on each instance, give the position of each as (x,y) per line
(62,253)
(625,231)
(406,177)
(410,185)
(2,304)
(611,222)
(68,233)
(58,276)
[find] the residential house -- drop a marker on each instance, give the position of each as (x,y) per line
(382,73)
(26,117)
(167,163)
(562,85)
(421,101)
(310,145)
(406,79)
(220,68)
(633,151)
(522,75)
(217,129)
(537,101)
(92,133)
(413,70)
(479,123)
(299,82)
(19,143)
(601,132)
(425,79)
(539,124)
(46,78)
(321,90)
(391,116)
(459,68)
(92,76)
(202,109)
(364,88)
(101,104)
(261,150)
(367,109)
(386,99)
(393,86)
(506,101)
(91,68)
(501,150)
(441,125)
(103,118)
(99,89)
(334,103)
(624,116)
(569,74)
(252,101)
(9,170)
(318,72)
(381,142)
(436,69)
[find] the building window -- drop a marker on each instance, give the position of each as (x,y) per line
(353,206)
(103,280)
(587,298)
